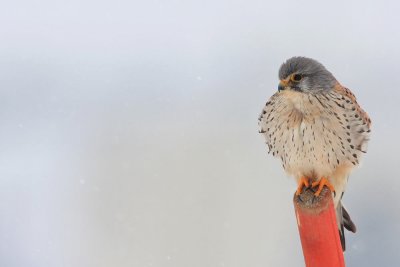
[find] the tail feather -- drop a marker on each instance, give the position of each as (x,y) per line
(347,222)
(344,221)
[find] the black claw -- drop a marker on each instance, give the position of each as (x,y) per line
(313,199)
(299,198)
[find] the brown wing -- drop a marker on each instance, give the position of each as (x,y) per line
(357,119)
(345,92)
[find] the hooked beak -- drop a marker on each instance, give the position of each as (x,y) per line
(282,85)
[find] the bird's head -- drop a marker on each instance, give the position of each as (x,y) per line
(305,75)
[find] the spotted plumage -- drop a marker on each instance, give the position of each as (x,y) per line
(315,126)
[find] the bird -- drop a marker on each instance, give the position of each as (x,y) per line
(315,126)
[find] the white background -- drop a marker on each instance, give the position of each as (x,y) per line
(129,130)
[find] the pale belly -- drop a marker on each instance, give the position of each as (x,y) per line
(312,150)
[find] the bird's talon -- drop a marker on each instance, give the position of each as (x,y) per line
(321,183)
(303,182)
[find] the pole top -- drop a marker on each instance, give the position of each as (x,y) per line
(308,202)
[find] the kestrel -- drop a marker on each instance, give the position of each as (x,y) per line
(317,129)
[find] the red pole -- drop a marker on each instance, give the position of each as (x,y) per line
(316,219)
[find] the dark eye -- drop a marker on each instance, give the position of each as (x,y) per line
(296,77)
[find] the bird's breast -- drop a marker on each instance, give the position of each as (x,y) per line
(305,133)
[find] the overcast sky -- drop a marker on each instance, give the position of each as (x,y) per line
(129,130)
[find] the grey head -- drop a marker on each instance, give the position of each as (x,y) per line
(305,75)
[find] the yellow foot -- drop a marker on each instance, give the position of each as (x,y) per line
(302,182)
(323,181)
